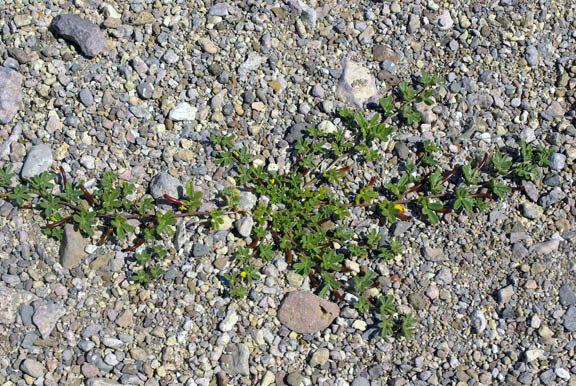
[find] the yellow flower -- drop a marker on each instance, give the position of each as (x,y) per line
(272,180)
(400,208)
(182,207)
(53,218)
(243,274)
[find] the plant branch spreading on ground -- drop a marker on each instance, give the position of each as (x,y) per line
(304,213)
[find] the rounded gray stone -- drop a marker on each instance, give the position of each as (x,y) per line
(38,160)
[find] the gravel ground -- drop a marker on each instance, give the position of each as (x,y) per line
(138,86)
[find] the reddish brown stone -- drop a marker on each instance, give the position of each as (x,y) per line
(306,313)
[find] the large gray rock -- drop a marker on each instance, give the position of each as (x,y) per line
(82,32)
(33,368)
(306,313)
(38,160)
(239,359)
(72,247)
(102,382)
(10,94)
(10,300)
(356,85)
(163,183)
(46,315)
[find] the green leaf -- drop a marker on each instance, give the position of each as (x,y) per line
(362,305)
(50,204)
(435,181)
(330,260)
(543,155)
(41,183)
(361,283)
(19,194)
(470,175)
(304,266)
(410,115)
(386,327)
(6,176)
(85,221)
(387,306)
(387,105)
(121,227)
(499,189)
(141,277)
(407,326)
(145,204)
(164,222)
(502,163)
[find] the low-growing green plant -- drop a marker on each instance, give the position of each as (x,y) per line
(303,213)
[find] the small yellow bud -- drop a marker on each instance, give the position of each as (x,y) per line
(182,207)
(272,180)
(400,208)
(53,218)
(243,274)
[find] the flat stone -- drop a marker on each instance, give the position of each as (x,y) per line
(306,313)
(46,316)
(38,160)
(356,84)
(320,357)
(546,247)
(183,112)
(72,248)
(239,360)
(85,34)
(382,53)
(244,226)
(10,94)
(228,323)
(10,301)
(218,9)
(252,63)
(478,321)
(102,382)
(433,254)
(33,368)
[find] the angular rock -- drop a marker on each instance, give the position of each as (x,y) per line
(252,63)
(433,254)
(82,32)
(183,112)
(478,321)
(228,323)
(356,84)
(38,160)
(218,9)
(570,319)
(320,357)
(46,316)
(244,226)
(306,313)
(505,294)
(163,183)
(72,247)
(10,301)
(567,295)
(546,247)
(10,94)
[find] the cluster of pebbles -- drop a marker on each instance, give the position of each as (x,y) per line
(137,87)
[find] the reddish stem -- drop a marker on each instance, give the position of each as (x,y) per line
(344,169)
(275,236)
(325,245)
(454,171)
(89,196)
(63,173)
(371,183)
(105,236)
(313,280)
(248,188)
(402,216)
(516,188)
(414,188)
(288,255)
(322,221)
(340,297)
(174,201)
(443,210)
(254,243)
(305,172)
(484,159)
(58,223)
(135,246)
(345,269)
(480,195)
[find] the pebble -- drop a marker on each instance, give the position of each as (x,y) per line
(531,211)
(320,357)
(570,319)
(478,321)
(38,160)
(218,9)
(360,381)
(183,112)
(244,226)
(558,161)
(33,368)
(86,97)
(295,378)
(10,94)
(228,323)
(445,21)
(80,31)
(505,294)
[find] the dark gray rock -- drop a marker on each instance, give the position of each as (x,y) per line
(567,295)
(556,195)
(570,319)
(296,132)
(86,97)
(82,32)
(164,183)
(200,250)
